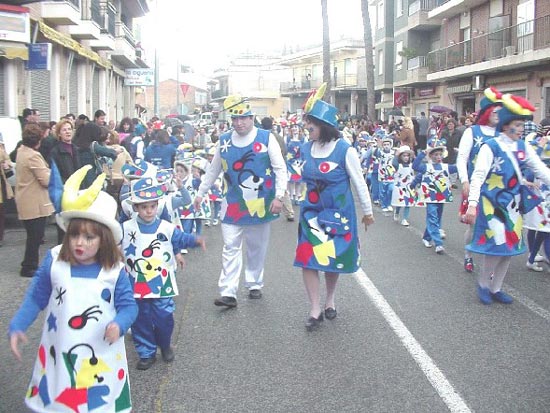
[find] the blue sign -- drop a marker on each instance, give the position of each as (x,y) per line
(40,56)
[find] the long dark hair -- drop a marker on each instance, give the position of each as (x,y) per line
(327,132)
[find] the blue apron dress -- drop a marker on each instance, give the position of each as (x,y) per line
(294,161)
(323,247)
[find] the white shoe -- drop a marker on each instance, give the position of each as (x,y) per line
(442,234)
(376,202)
(184,251)
(439,249)
(385,210)
(206,223)
(215,222)
(405,223)
(427,244)
(395,216)
(534,267)
(539,258)
(390,208)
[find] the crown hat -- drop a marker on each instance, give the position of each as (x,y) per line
(91,203)
(319,109)
(514,108)
(237,106)
(436,144)
(146,190)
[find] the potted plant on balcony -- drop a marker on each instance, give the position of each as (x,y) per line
(408,52)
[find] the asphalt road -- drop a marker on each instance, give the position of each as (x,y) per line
(410,336)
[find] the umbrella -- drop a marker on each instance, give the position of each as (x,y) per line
(395,112)
(440,109)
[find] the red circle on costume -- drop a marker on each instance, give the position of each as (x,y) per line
(238,165)
(121,374)
(521,155)
(164,272)
(257,147)
(324,167)
(513,182)
(313,197)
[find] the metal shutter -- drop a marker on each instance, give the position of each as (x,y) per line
(21,88)
(2,100)
(95,90)
(40,93)
(73,89)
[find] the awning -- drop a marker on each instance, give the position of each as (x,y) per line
(11,50)
(72,44)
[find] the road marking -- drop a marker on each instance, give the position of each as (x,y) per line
(439,382)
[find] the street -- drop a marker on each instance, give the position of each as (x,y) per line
(410,336)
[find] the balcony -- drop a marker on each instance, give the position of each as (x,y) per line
(344,81)
(125,50)
(418,16)
(61,12)
(521,45)
(449,8)
(135,8)
(297,87)
(417,72)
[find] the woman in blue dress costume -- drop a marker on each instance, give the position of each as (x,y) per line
(495,204)
(327,233)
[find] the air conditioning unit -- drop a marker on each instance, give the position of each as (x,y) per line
(478,82)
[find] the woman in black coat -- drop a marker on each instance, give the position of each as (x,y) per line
(64,153)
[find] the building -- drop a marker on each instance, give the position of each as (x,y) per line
(446,52)
(88,44)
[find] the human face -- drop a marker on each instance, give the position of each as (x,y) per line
(313,130)
(493,118)
(406,157)
(467,122)
(436,156)
(147,211)
(66,133)
(181,172)
(242,124)
(100,121)
(386,146)
(514,129)
(84,247)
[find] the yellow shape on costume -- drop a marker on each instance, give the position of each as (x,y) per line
(488,208)
(86,376)
(256,207)
(344,220)
(490,233)
(324,251)
(268,172)
(71,199)
(518,226)
(495,181)
(224,164)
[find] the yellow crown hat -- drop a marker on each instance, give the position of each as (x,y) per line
(237,106)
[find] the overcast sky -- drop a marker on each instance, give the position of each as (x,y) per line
(202,33)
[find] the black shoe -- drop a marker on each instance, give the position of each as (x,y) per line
(168,354)
(330,313)
(145,364)
(290,219)
(226,302)
(312,323)
(26,273)
(255,294)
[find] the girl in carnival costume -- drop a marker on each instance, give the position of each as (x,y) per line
(294,163)
(404,192)
(385,154)
(85,290)
(191,217)
(435,190)
(495,202)
(151,247)
(216,191)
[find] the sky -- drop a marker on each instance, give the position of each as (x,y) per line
(203,34)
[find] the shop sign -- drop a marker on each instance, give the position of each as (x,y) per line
(399,99)
(139,77)
(15,27)
(429,91)
(40,56)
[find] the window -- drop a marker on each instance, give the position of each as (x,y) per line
(496,8)
(398,51)
(380,61)
(399,8)
(380,22)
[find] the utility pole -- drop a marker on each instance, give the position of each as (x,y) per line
(156,83)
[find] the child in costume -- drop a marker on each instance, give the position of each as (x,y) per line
(84,288)
(386,170)
(497,200)
(190,217)
(216,190)
(435,190)
(294,163)
(152,248)
(404,193)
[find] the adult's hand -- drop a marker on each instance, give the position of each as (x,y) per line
(197,203)
(470,216)
(367,220)
(276,206)
(465,189)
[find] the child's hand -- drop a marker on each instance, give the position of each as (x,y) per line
(15,338)
(112,332)
(202,242)
(197,203)
(180,260)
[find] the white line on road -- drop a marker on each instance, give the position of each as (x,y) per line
(438,380)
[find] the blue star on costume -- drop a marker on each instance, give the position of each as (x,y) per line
(130,250)
(52,322)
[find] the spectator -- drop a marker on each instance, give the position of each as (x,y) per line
(99,117)
(6,170)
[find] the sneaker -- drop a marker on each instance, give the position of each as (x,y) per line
(168,354)
(255,294)
(376,202)
(206,223)
(385,210)
(145,364)
(184,251)
(390,208)
(427,244)
(469,264)
(395,216)
(484,295)
(290,218)
(502,297)
(405,223)
(534,267)
(215,222)
(439,249)
(442,234)
(539,258)
(225,301)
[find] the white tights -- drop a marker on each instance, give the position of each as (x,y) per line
(493,271)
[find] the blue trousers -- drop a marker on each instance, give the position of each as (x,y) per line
(375,188)
(153,326)
(433,223)
(386,189)
(406,212)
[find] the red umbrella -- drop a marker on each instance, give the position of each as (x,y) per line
(440,109)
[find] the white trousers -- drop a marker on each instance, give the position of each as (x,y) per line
(256,240)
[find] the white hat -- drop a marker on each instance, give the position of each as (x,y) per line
(404,149)
(91,203)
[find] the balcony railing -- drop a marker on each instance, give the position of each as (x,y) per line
(520,38)
(417,62)
(97,16)
(124,31)
(110,17)
(344,80)
(303,85)
(422,5)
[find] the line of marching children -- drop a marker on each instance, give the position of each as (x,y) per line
(398,181)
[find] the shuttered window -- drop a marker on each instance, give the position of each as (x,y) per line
(95,90)
(73,88)
(2,100)
(40,93)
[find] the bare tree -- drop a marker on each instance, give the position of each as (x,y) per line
(367,36)
(326,51)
